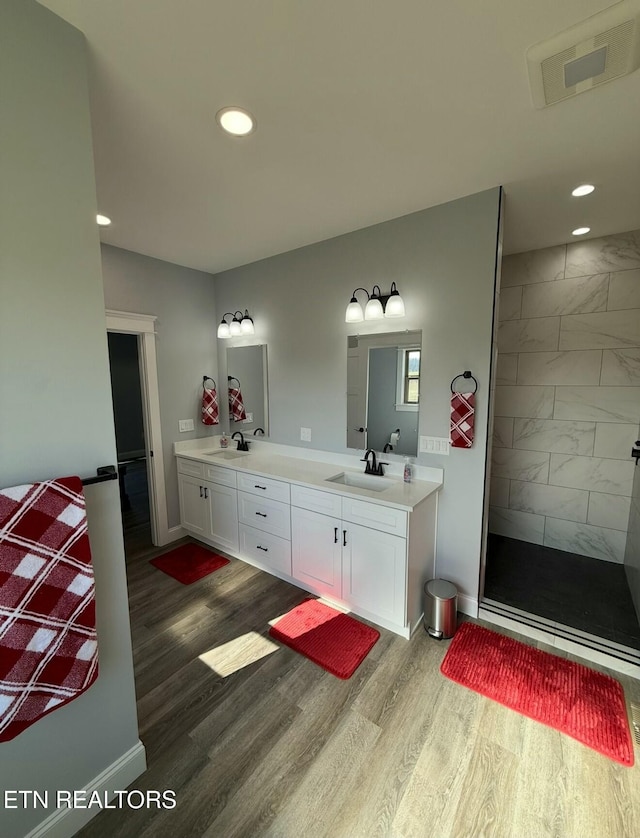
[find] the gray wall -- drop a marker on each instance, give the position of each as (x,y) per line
(568,395)
(55,404)
(183,301)
(443,261)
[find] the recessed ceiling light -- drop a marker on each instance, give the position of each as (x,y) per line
(236,121)
(103,220)
(581,231)
(583,189)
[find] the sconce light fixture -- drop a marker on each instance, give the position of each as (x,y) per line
(242,324)
(378,305)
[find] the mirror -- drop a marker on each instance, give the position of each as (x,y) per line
(247,371)
(383,391)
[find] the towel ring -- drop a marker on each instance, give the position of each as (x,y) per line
(206,378)
(465,374)
(233,378)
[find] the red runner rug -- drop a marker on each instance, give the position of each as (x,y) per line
(564,695)
(333,640)
(189,562)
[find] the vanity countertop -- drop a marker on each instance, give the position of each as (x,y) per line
(315,474)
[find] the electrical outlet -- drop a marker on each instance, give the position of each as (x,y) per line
(434,445)
(185,425)
(305,434)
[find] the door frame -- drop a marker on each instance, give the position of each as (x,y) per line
(144,326)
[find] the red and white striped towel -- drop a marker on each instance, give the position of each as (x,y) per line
(210,409)
(463,406)
(236,405)
(48,644)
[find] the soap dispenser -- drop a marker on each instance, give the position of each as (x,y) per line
(224,440)
(408,470)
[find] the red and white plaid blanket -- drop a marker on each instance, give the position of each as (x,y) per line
(463,407)
(48,647)
(236,405)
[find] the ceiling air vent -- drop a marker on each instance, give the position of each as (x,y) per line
(600,49)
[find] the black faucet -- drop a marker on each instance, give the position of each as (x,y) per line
(387,447)
(373,467)
(258,431)
(242,445)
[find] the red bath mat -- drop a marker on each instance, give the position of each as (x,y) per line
(333,640)
(567,696)
(189,562)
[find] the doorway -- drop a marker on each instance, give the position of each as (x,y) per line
(126,389)
(134,376)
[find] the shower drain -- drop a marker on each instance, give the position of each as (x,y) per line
(635,721)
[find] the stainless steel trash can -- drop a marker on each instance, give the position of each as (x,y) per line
(440,608)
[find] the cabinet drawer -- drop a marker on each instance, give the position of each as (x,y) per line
(266,549)
(316,501)
(191,467)
(376,516)
(225,476)
(265,514)
(264,487)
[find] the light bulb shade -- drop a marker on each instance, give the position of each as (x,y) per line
(235,328)
(373,309)
(395,306)
(354,312)
(223,330)
(246,325)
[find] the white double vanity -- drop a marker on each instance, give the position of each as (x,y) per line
(367,543)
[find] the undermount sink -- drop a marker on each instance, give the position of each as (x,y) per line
(225,454)
(372,482)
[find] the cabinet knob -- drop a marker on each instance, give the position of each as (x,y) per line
(262,514)
(335,535)
(344,538)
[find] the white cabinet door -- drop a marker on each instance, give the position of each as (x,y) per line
(192,505)
(316,545)
(221,505)
(374,571)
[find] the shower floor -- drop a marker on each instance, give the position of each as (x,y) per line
(586,594)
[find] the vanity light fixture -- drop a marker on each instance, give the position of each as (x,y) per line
(378,305)
(583,189)
(241,324)
(102,220)
(581,231)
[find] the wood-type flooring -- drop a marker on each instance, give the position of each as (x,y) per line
(266,743)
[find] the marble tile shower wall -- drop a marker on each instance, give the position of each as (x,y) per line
(567,404)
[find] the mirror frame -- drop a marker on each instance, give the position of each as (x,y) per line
(224,366)
(380,340)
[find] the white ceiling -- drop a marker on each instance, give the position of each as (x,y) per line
(367,110)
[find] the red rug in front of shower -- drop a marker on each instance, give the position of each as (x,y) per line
(586,705)
(189,562)
(333,640)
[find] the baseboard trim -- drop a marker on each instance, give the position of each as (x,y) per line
(174,534)
(64,823)
(468,605)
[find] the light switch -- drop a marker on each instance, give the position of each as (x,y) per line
(434,445)
(305,434)
(185,425)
